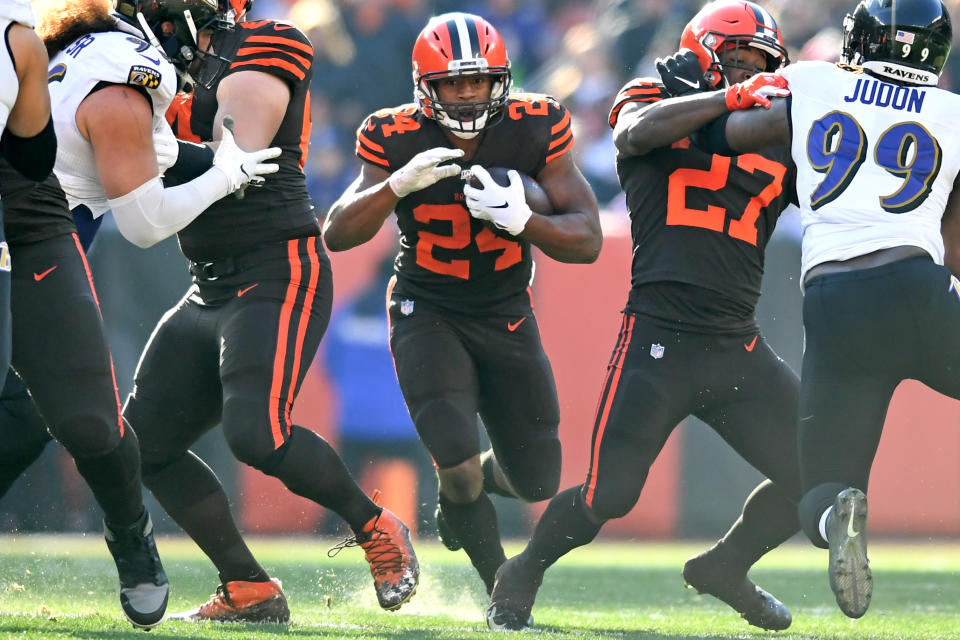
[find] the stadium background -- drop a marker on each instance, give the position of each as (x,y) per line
(580,52)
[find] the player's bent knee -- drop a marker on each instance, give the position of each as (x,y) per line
(462,484)
(534,477)
(87,435)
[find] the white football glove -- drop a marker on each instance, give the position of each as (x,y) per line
(242,167)
(166,146)
(422,170)
(505,207)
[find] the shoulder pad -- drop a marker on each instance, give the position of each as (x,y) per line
(277,48)
(381,128)
(646,90)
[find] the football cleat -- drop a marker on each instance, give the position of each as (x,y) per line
(514,592)
(850,576)
(241,601)
(389,551)
(447,537)
(143,584)
(756,606)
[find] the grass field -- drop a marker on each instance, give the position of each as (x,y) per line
(65,587)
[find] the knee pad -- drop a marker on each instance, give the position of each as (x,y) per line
(813,504)
(87,435)
(461,484)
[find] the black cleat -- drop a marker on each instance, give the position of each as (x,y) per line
(447,537)
(143,584)
(850,576)
(754,605)
(514,592)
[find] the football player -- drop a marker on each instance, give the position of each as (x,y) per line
(236,348)
(689,342)
(877,176)
(463,334)
(27,138)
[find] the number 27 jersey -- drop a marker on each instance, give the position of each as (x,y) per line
(447,257)
(876,161)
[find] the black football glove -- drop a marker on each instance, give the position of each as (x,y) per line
(681,73)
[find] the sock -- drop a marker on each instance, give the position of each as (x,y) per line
(114,479)
(565,525)
(823,524)
(311,468)
(192,495)
(768,519)
(475,525)
(488,463)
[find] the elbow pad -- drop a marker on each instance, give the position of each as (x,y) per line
(150,213)
(712,138)
(33,157)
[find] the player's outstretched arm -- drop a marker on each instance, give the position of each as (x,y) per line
(950,230)
(118,122)
(28,141)
(571,234)
(360,212)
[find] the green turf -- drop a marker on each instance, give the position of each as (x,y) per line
(57,586)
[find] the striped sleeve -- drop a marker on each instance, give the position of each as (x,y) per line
(638,90)
(370,143)
(277,48)
(561,134)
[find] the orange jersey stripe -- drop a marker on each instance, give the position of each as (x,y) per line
(366,155)
(562,139)
(246,51)
(305,132)
(563,124)
(641,90)
(279,360)
(96,300)
(272,62)
(367,142)
(559,152)
(284,41)
(302,323)
(607,402)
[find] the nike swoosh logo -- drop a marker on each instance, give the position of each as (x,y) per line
(155,61)
(245,289)
(850,531)
(43,274)
(500,206)
(753,343)
(695,85)
(512,326)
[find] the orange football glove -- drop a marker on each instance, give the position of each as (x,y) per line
(756,91)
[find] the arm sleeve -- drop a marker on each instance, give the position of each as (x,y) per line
(34,157)
(150,213)
(712,138)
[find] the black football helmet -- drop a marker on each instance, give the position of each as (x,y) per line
(172,26)
(905,40)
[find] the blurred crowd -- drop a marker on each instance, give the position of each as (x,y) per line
(579,51)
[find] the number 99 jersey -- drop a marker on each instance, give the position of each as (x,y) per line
(447,257)
(876,161)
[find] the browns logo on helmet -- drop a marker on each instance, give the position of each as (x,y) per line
(461,44)
(727,25)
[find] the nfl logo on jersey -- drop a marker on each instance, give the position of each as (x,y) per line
(656,351)
(406,307)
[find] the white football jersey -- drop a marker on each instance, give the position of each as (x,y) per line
(875,161)
(113,57)
(9,83)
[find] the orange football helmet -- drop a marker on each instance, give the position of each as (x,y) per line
(730,24)
(461,44)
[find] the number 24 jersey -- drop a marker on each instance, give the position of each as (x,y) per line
(876,161)
(446,256)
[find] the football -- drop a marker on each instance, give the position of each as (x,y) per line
(534,194)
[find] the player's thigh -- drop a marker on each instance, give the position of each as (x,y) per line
(268,339)
(937,307)
(177,394)
(642,399)
(518,394)
(438,379)
(758,415)
(60,350)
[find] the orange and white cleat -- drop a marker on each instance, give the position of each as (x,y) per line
(393,563)
(241,601)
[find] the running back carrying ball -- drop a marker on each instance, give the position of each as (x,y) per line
(533,193)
